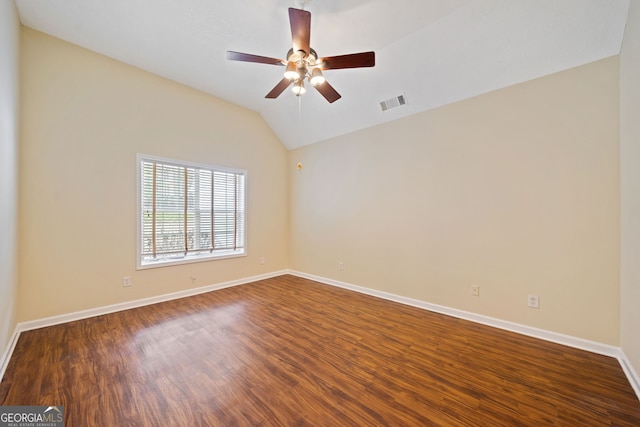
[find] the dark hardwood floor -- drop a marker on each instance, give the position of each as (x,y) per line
(289,351)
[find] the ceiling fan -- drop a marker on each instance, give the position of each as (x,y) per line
(303,62)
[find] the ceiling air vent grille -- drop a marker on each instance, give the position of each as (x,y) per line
(393,102)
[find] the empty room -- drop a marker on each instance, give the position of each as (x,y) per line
(320,212)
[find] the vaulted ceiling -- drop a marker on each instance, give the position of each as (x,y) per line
(433,52)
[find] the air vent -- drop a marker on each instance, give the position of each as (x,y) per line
(393,103)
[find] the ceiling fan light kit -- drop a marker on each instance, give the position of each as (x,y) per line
(298,87)
(316,77)
(303,62)
(292,71)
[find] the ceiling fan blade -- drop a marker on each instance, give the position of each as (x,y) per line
(300,29)
(353,60)
(247,57)
(328,92)
(279,88)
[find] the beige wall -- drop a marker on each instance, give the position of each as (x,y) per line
(630,186)
(9,66)
(516,191)
(85,117)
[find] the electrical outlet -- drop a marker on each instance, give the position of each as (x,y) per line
(534,301)
(340,265)
(261,260)
(126,281)
(475,290)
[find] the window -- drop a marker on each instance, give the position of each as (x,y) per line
(188,212)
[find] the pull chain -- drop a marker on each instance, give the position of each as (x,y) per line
(300,117)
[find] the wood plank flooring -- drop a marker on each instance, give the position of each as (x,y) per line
(289,351)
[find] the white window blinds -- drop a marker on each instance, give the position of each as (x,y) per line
(190,212)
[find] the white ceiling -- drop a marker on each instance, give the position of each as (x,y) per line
(433,51)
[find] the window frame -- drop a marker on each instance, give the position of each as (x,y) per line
(188,258)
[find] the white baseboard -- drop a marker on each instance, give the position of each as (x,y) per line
(6,356)
(582,344)
(570,341)
(631,373)
(98,311)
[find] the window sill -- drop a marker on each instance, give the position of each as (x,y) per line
(189,259)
